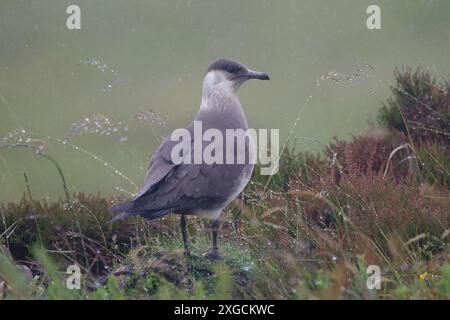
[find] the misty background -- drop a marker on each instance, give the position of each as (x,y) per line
(100,98)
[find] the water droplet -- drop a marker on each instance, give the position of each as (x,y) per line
(107,88)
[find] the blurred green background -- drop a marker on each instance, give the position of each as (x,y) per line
(156,53)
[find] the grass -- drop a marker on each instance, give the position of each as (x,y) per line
(310,232)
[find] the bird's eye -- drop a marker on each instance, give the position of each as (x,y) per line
(233,69)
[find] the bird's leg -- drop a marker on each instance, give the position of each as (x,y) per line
(215,232)
(214,253)
(184,234)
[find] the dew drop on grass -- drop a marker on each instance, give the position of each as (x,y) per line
(364,71)
(103,68)
(96,124)
(22,138)
(107,88)
(151,117)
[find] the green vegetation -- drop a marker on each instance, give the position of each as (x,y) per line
(309,232)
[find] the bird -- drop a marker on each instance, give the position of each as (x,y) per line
(200,189)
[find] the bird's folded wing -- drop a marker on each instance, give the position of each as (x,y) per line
(161,164)
(168,185)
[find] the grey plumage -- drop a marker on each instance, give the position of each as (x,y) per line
(187,188)
(198,189)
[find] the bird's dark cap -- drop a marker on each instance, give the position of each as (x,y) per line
(227,65)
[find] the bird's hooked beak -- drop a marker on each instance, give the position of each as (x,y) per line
(250,74)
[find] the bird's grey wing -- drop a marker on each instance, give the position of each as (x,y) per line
(186,186)
(171,187)
(189,187)
(160,165)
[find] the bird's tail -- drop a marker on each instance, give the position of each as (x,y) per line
(119,216)
(123,209)
(131,208)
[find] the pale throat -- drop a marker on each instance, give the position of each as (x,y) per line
(217,89)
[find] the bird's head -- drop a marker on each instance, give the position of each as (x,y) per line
(228,75)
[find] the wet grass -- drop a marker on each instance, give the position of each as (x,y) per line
(310,232)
